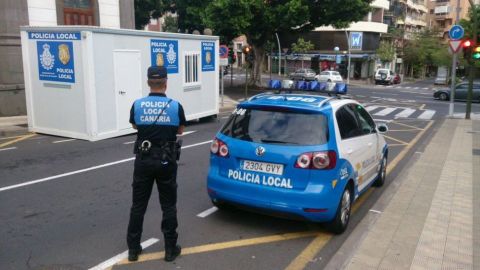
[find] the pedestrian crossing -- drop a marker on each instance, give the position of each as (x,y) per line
(399,112)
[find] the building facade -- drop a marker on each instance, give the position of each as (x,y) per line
(442,14)
(331,45)
(16,13)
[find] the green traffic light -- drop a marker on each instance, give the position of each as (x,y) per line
(476,56)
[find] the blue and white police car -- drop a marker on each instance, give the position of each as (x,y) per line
(297,155)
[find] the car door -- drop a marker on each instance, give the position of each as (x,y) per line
(370,139)
(461,91)
(350,146)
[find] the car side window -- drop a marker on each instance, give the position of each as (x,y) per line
(462,86)
(347,123)
(366,122)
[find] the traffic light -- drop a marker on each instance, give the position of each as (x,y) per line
(249,56)
(232,58)
(476,53)
(467,49)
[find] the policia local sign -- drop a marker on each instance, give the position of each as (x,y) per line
(55,56)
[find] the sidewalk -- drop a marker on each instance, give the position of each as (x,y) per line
(431,219)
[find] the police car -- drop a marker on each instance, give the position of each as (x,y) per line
(298,156)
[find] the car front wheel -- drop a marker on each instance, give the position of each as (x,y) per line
(443,96)
(342,217)
(382,173)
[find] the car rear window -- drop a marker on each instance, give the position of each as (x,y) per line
(277,126)
(383,71)
(335,73)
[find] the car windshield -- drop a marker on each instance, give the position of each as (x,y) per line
(277,126)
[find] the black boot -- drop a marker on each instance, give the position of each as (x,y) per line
(172,253)
(133,254)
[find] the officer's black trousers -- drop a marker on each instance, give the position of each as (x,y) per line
(146,171)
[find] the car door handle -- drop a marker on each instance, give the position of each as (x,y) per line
(122,92)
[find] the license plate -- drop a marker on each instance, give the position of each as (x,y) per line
(264,167)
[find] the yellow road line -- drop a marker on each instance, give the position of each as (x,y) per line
(17,140)
(409,126)
(226,245)
(13,137)
(422,107)
(314,247)
(393,139)
(309,252)
(395,130)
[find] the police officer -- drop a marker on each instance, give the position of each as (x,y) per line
(158,120)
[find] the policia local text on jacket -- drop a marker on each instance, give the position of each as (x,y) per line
(158,120)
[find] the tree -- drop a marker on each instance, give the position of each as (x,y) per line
(150,9)
(385,51)
(259,20)
(170,24)
(302,46)
(191,14)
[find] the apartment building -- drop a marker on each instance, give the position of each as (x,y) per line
(442,14)
(331,45)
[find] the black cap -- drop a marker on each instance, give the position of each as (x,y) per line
(157,72)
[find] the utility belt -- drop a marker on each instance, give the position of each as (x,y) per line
(165,151)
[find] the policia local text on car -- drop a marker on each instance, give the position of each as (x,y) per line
(158,120)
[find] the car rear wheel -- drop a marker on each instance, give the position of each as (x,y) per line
(382,173)
(342,217)
(443,96)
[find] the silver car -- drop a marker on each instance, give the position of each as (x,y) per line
(305,74)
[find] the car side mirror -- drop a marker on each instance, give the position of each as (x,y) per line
(382,128)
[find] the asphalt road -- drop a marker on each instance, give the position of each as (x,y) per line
(64,204)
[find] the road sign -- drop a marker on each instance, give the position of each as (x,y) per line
(223,61)
(455,45)
(456,32)
(223,51)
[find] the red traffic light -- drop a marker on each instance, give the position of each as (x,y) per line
(467,43)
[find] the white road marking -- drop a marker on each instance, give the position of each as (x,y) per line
(426,115)
(114,260)
(129,142)
(416,87)
(83,170)
(371,108)
(425,88)
(375,211)
(385,111)
(407,87)
(225,117)
(405,113)
(382,120)
(207,212)
(67,140)
(187,132)
(9,148)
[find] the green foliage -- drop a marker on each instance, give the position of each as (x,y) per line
(170,24)
(427,49)
(467,24)
(191,14)
(385,51)
(302,46)
(148,9)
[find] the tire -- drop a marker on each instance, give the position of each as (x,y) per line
(329,80)
(382,173)
(443,96)
(339,224)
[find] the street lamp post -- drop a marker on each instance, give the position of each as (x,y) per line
(279,58)
(348,66)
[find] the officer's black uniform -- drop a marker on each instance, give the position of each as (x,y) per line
(158,165)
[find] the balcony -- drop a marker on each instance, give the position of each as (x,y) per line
(384,4)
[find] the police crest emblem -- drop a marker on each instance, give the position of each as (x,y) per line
(64,53)
(160,61)
(47,60)
(208,57)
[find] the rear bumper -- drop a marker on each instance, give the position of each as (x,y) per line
(290,203)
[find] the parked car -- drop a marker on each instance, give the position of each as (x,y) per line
(297,156)
(460,92)
(305,74)
(384,76)
(397,79)
(329,76)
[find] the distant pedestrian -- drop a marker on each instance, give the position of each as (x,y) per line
(158,120)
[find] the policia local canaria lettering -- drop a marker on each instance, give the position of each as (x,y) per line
(151,110)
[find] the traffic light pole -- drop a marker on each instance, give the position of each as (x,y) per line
(451,108)
(472,64)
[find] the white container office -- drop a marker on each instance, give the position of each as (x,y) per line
(80,82)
